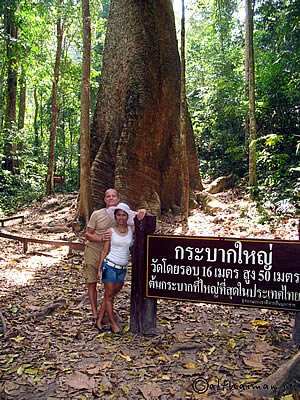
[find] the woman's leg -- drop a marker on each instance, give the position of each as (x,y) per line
(110,290)
(118,287)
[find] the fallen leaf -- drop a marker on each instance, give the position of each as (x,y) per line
(127,357)
(79,380)
(93,371)
(31,371)
(18,338)
(190,365)
(254,360)
(150,392)
(259,322)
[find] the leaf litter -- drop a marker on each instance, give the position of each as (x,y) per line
(51,351)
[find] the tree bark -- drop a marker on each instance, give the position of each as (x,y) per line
(55,109)
(183,130)
(21,116)
(22,101)
(12,76)
(246,78)
(136,128)
(252,121)
(36,132)
(1,92)
(85,202)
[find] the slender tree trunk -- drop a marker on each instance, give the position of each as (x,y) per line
(183,131)
(22,101)
(1,93)
(36,132)
(252,121)
(85,203)
(72,152)
(41,116)
(12,77)
(21,117)
(55,109)
(247,79)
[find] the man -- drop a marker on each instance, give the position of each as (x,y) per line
(96,234)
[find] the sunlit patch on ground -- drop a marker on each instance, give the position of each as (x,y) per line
(21,269)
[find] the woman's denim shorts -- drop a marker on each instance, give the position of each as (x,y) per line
(111,274)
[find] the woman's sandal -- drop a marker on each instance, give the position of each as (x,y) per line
(120,333)
(101,330)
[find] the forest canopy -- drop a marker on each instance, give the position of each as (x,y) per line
(215,86)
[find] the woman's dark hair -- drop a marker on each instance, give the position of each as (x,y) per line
(117,209)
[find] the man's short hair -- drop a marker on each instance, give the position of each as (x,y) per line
(118,194)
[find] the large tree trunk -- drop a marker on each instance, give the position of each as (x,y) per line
(55,109)
(85,203)
(252,121)
(135,133)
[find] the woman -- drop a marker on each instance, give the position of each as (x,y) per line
(113,262)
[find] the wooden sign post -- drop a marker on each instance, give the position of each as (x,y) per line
(296,329)
(59,179)
(142,309)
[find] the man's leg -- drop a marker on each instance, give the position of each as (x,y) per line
(90,269)
(92,292)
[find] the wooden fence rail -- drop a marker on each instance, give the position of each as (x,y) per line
(57,243)
(2,220)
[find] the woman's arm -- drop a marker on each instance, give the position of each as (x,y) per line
(103,254)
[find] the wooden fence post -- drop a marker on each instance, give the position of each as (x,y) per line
(296,329)
(142,309)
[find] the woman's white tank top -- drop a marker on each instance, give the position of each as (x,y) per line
(119,247)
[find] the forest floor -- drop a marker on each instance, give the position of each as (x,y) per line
(201,351)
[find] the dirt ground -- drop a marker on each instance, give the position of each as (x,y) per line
(201,351)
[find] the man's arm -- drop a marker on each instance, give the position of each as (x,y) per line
(92,237)
(141,213)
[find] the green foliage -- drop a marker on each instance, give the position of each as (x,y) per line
(277,80)
(217,101)
(36,43)
(19,189)
(215,91)
(278,169)
(214,86)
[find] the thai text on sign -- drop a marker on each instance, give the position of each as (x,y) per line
(231,271)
